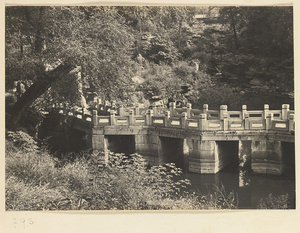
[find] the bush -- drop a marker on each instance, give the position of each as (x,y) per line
(215,96)
(37,181)
(127,183)
(274,202)
(21,196)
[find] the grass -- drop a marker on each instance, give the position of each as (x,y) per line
(35,180)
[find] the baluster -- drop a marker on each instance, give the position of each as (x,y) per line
(247,121)
(223,111)
(121,110)
(183,120)
(94,117)
(291,122)
(137,110)
(205,108)
(172,109)
(225,120)
(112,117)
(131,117)
(269,120)
(266,111)
(149,115)
(189,108)
(155,111)
(167,118)
(203,122)
(285,110)
(244,110)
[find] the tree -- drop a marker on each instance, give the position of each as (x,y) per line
(57,40)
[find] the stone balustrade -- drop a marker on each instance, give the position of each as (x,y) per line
(265,137)
(194,119)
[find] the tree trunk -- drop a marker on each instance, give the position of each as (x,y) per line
(234,30)
(35,91)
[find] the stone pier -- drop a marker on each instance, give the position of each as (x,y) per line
(203,156)
(266,157)
(148,146)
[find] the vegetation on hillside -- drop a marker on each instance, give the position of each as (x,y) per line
(242,52)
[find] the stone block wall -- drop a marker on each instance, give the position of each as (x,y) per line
(266,157)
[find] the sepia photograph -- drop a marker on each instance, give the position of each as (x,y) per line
(149,108)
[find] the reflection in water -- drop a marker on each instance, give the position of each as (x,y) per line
(251,188)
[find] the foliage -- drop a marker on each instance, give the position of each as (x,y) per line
(259,41)
(22,141)
(126,183)
(219,199)
(233,45)
(216,96)
(274,202)
(41,39)
(37,181)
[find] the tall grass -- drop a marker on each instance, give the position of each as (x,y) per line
(37,181)
(274,202)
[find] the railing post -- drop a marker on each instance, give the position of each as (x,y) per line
(183,120)
(244,110)
(225,120)
(205,108)
(223,111)
(131,117)
(149,115)
(188,110)
(247,121)
(285,110)
(121,111)
(266,111)
(94,117)
(137,110)
(172,109)
(167,118)
(202,122)
(112,117)
(291,122)
(269,119)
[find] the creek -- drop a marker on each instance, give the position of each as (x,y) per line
(249,187)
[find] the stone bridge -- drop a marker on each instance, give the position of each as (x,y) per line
(204,140)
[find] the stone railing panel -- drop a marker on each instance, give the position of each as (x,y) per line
(214,125)
(235,115)
(256,115)
(159,111)
(179,111)
(103,120)
(277,114)
(121,120)
(195,113)
(236,124)
(257,124)
(87,117)
(175,122)
(140,120)
(213,114)
(193,124)
(158,120)
(280,125)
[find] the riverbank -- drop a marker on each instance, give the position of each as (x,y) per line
(35,180)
